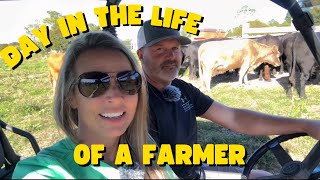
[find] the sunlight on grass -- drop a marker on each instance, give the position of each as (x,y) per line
(271,101)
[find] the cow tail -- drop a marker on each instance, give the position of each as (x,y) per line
(294,60)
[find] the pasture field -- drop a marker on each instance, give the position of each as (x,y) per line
(26,101)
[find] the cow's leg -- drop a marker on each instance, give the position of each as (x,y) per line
(317,75)
(260,71)
(292,74)
(303,79)
(243,77)
(291,80)
(260,74)
(207,80)
(281,66)
(266,70)
(292,84)
(50,78)
(306,70)
(289,90)
(205,77)
(274,71)
(192,71)
(54,84)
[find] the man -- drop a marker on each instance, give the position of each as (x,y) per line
(175,104)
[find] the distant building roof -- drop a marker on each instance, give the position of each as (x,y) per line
(211,30)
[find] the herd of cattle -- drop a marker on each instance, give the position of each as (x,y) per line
(211,57)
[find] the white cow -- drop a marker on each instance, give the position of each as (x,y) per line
(218,57)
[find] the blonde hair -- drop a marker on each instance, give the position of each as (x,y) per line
(67,118)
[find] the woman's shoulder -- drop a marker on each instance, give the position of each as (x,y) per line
(57,161)
(61,152)
(52,161)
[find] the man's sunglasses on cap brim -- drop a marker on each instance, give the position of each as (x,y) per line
(94,84)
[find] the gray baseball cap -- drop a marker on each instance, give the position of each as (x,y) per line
(149,35)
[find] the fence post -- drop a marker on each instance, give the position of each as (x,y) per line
(245,27)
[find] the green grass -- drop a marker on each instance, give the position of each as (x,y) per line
(26,101)
(267,100)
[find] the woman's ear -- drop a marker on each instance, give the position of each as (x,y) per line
(73,102)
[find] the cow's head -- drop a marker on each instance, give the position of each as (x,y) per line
(271,56)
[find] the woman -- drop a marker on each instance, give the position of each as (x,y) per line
(100,99)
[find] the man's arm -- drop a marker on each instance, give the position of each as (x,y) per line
(256,123)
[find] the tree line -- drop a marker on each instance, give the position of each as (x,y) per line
(246,11)
(59,43)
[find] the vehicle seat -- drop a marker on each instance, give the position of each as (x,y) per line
(8,157)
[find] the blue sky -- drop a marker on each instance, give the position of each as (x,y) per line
(15,15)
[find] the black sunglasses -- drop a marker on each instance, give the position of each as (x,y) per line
(94,84)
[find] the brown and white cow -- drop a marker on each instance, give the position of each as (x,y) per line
(218,57)
(55,61)
(191,53)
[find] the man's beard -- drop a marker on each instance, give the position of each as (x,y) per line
(169,63)
(170,68)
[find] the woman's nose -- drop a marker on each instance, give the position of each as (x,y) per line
(113,90)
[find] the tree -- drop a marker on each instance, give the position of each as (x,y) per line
(273,22)
(257,24)
(245,14)
(2,46)
(184,33)
(235,32)
(308,3)
(15,44)
(30,27)
(128,43)
(93,27)
(315,11)
(287,20)
(59,43)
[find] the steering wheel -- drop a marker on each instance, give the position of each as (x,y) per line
(289,168)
